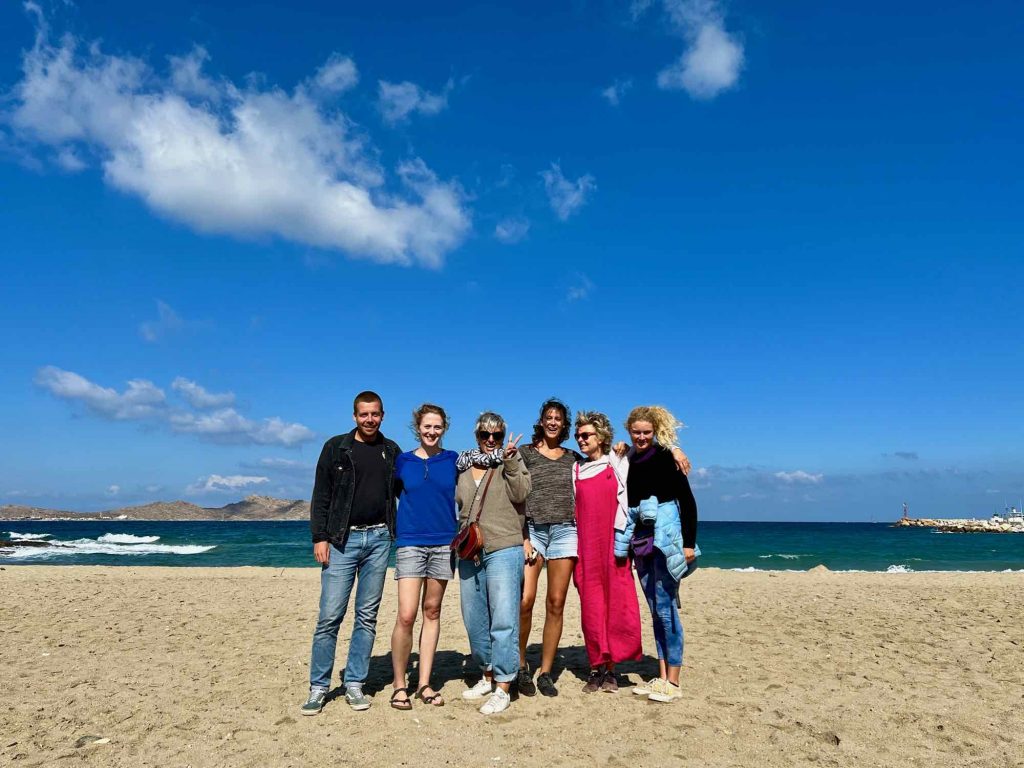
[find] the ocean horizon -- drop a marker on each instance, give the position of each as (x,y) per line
(740,546)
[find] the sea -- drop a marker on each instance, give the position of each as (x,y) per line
(740,546)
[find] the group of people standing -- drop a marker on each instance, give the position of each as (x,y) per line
(588,517)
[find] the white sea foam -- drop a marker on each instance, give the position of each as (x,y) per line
(784,557)
(99,547)
(126,538)
(899,569)
(15,536)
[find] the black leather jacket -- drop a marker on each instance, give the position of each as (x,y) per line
(334,487)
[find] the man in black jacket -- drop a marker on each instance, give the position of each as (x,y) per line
(352,519)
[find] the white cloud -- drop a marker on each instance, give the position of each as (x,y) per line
(143,400)
(113,490)
(227,425)
(613,93)
(140,400)
(713,58)
(399,100)
(337,75)
(566,197)
(799,477)
(220,483)
(512,230)
(246,161)
(187,75)
(580,289)
(69,160)
(198,397)
(709,66)
(167,321)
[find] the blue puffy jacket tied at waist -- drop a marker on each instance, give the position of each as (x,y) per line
(668,533)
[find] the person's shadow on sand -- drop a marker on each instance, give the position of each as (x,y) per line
(573,659)
(453,665)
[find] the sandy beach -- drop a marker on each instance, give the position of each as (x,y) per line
(207,667)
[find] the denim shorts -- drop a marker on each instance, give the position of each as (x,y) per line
(553,541)
(425,563)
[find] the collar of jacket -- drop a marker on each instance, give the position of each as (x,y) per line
(348,438)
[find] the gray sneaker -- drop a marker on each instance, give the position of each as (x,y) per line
(356,698)
(315,702)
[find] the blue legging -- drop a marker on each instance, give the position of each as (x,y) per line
(662,593)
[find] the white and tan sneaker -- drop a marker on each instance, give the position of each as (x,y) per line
(644,689)
(666,692)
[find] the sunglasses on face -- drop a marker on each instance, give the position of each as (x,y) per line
(584,436)
(495,436)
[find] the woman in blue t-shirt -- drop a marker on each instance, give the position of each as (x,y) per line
(427,523)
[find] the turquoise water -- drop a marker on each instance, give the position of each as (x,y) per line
(757,546)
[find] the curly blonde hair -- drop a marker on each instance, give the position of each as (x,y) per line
(602,426)
(665,424)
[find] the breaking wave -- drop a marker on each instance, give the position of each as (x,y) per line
(108,544)
(126,538)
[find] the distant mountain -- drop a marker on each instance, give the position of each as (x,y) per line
(250,508)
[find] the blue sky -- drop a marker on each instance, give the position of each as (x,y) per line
(798,227)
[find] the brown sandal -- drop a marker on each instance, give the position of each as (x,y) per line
(403,704)
(433,699)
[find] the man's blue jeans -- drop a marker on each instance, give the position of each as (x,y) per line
(362,562)
(662,593)
(490,595)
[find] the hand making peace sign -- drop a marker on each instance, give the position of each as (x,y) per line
(512,448)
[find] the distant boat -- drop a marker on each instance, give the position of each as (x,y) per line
(1011,516)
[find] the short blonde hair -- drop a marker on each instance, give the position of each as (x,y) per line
(602,426)
(665,424)
(490,421)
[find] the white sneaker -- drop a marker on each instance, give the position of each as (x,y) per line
(666,692)
(478,691)
(498,702)
(645,689)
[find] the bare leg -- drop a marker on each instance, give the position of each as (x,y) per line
(663,670)
(672,675)
(401,636)
(559,574)
(430,630)
(531,574)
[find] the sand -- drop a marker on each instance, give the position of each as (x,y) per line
(207,667)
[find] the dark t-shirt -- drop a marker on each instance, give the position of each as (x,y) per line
(371,483)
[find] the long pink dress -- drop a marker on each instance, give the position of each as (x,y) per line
(611,614)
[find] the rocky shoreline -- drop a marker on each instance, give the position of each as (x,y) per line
(960,525)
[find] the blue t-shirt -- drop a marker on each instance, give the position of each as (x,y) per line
(426,506)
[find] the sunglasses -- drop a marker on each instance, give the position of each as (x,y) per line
(496,436)
(584,436)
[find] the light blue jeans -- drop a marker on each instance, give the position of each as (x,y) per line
(662,593)
(490,594)
(362,562)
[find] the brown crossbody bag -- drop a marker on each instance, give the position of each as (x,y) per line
(469,542)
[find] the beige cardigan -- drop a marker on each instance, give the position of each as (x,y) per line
(503,519)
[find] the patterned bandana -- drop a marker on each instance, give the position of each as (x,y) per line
(477,458)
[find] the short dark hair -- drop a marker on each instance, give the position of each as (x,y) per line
(367,396)
(558,405)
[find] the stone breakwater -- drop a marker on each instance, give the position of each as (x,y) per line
(961,525)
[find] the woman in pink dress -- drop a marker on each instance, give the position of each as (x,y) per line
(608,602)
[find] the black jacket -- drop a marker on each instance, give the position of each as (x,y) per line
(334,487)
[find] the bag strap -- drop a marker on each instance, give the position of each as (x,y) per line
(487,484)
